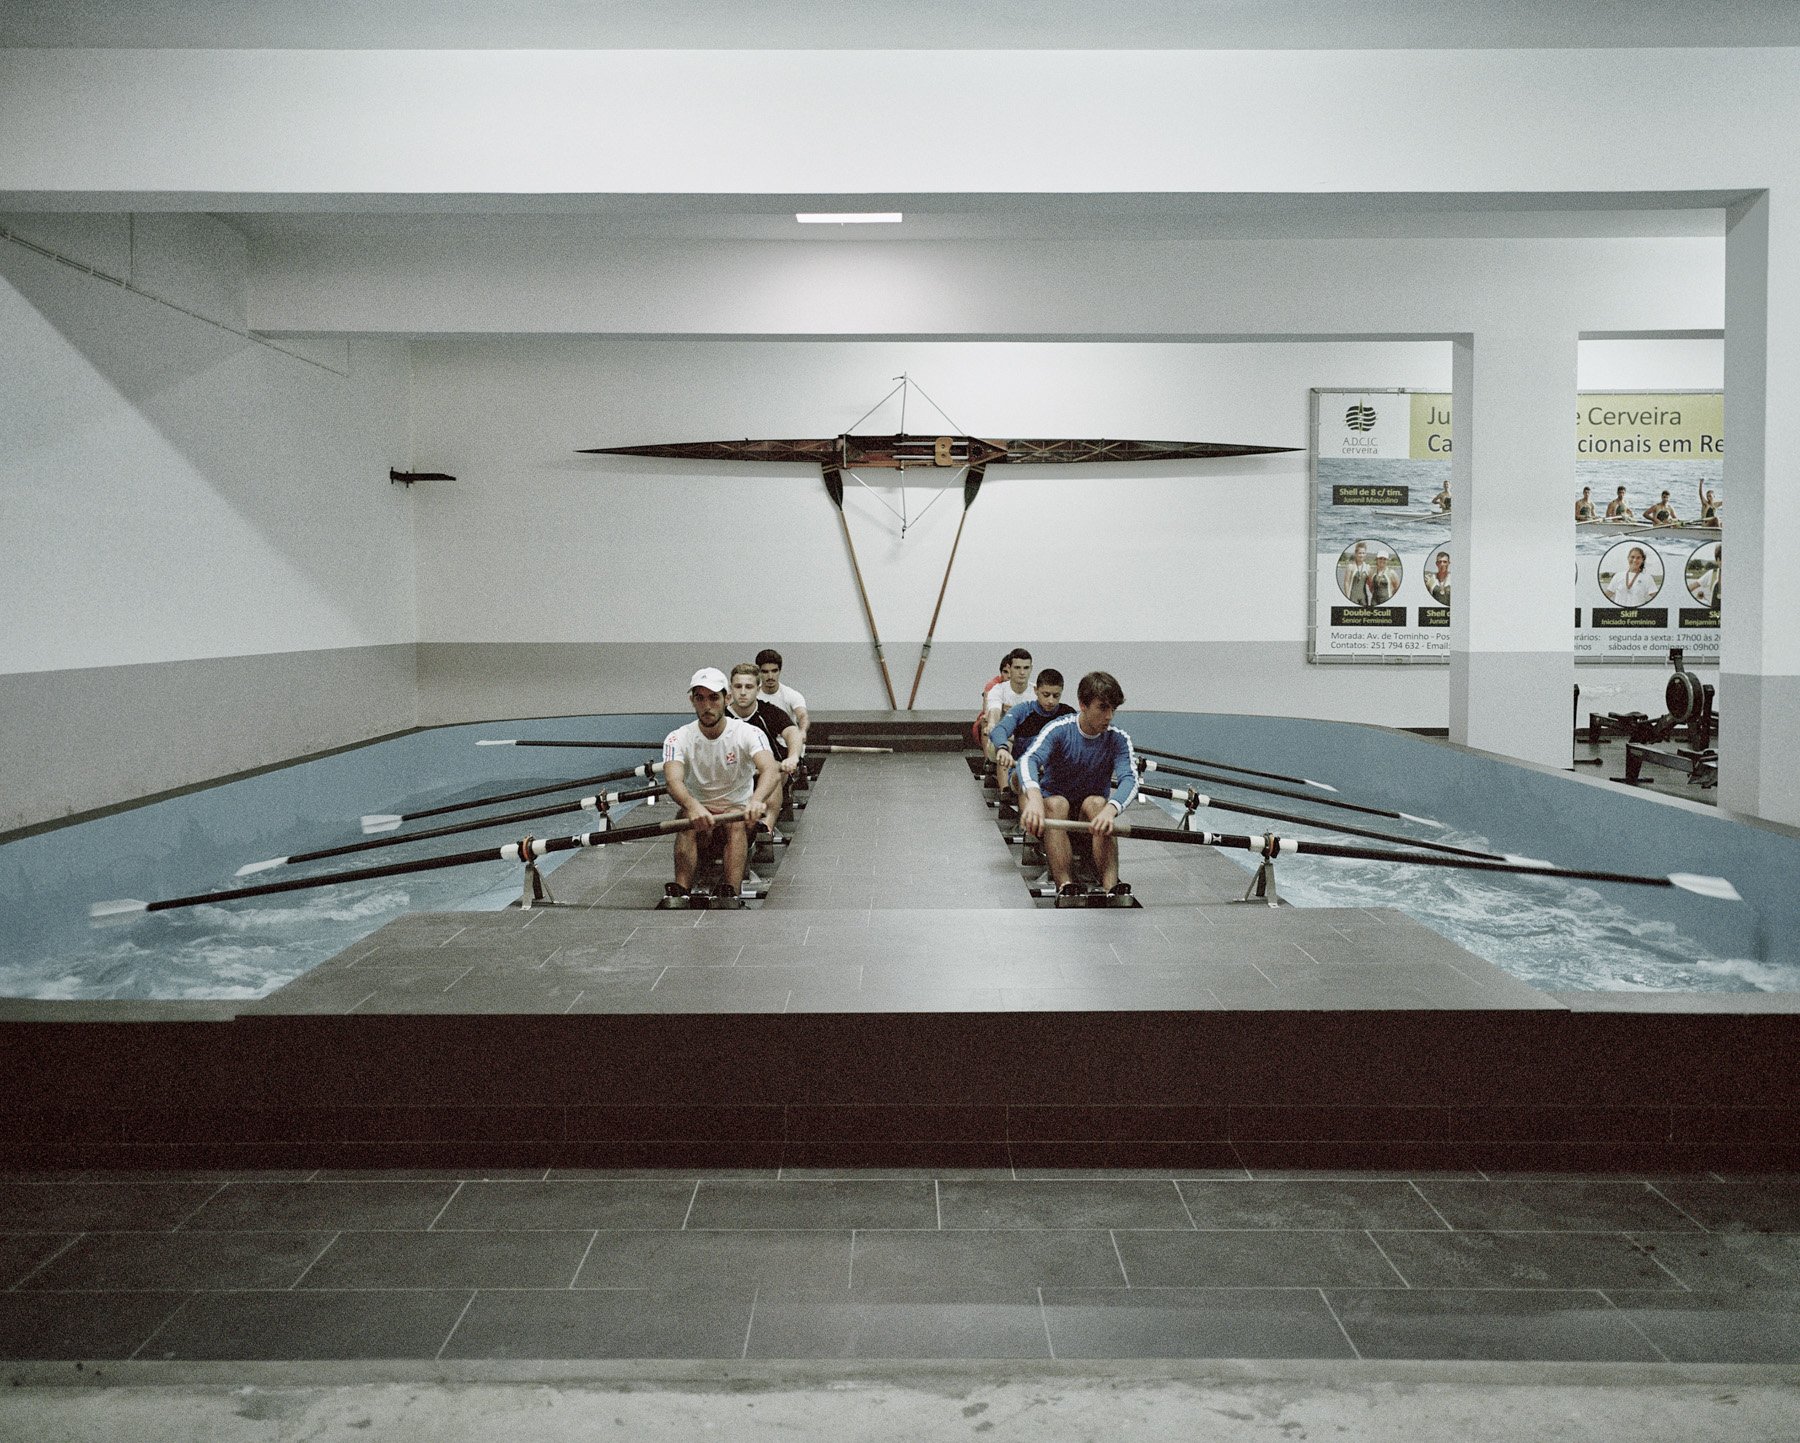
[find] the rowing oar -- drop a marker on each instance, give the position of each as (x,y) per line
(1227,767)
(601,802)
(621,746)
(834,487)
(971,485)
(834,748)
(387,821)
(1715,887)
(528,849)
(1200,799)
(1152,765)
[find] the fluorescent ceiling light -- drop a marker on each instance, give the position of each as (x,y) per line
(847,217)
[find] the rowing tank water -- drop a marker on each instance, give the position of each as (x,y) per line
(1554,935)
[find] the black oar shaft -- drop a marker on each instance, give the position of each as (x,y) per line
(1289,845)
(1307,797)
(1214,804)
(617,746)
(622,774)
(478,824)
(1222,766)
(508,853)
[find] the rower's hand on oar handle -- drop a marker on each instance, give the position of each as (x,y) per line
(1031,815)
(700,817)
(754,811)
(1103,820)
(1003,765)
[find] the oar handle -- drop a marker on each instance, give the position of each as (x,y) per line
(619,775)
(616,746)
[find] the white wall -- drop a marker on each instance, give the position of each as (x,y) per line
(203,567)
(174,489)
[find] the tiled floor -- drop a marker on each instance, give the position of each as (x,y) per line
(931,1265)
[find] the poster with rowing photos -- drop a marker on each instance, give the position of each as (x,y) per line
(1646,508)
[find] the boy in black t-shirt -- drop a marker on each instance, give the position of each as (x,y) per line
(785,740)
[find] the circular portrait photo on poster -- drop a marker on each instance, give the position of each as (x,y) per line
(1437,576)
(1702,573)
(1631,573)
(1368,573)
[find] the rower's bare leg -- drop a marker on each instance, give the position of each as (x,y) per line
(687,859)
(1106,849)
(1058,855)
(736,850)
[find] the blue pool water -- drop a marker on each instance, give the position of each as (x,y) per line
(1560,936)
(1555,935)
(194,843)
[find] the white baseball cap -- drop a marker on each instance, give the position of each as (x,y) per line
(712,679)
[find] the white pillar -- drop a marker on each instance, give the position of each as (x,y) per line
(1759,664)
(1512,541)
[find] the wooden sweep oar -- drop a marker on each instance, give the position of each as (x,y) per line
(1152,765)
(1200,799)
(1717,888)
(511,852)
(600,802)
(1228,767)
(834,487)
(387,821)
(971,487)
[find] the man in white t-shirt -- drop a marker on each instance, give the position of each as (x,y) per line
(1003,696)
(716,763)
(771,690)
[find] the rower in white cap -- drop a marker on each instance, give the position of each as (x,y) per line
(716,763)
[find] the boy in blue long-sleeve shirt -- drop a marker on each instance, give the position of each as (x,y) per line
(1081,766)
(1015,731)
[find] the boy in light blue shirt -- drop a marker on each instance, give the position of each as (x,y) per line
(1081,766)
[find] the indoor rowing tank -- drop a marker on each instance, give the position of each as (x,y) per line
(900,996)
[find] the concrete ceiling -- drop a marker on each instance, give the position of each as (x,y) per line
(897,24)
(425,221)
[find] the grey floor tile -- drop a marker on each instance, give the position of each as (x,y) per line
(81,1325)
(1747,1326)
(590,1323)
(1726,1260)
(1308,1205)
(682,1260)
(1192,1323)
(150,1261)
(22,1253)
(988,1259)
(1553,1205)
(429,1174)
(647,1203)
(449,1260)
(1083,1204)
(809,1205)
(1771,1206)
(926,1323)
(1494,1324)
(93,1206)
(1522,1260)
(277,1326)
(366,1203)
(1254,1260)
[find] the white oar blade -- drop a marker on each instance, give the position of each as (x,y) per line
(507,743)
(1715,887)
(380,822)
(250,869)
(1422,821)
(1519,861)
(102,913)
(1322,786)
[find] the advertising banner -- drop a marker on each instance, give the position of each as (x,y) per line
(1647,553)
